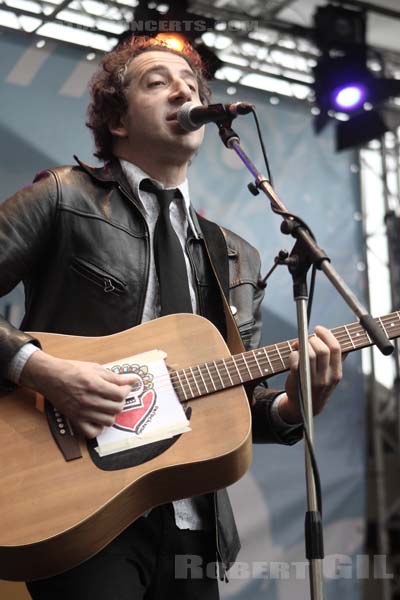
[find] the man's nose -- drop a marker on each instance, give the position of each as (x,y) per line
(181,91)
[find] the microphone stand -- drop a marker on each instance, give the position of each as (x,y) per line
(305,253)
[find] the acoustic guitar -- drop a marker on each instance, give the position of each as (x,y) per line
(57,513)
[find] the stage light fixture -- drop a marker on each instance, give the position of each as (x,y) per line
(366,126)
(349,96)
(342,80)
(172,40)
(340,28)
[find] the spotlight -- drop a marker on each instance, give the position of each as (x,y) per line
(172,40)
(349,97)
(344,83)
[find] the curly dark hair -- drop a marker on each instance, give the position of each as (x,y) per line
(109,83)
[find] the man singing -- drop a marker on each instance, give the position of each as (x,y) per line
(99,250)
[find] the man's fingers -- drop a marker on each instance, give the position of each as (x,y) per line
(98,419)
(322,354)
(116,378)
(329,339)
(89,430)
(334,349)
(111,391)
(294,360)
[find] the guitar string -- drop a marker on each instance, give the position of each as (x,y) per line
(250,362)
(212,385)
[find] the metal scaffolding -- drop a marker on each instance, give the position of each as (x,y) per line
(382,161)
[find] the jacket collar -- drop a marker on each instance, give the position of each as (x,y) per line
(111,173)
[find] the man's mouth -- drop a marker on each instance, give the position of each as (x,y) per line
(173,116)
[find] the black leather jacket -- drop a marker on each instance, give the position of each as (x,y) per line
(78,240)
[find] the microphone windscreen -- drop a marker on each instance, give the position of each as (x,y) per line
(183,117)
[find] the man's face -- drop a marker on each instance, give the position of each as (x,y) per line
(160,82)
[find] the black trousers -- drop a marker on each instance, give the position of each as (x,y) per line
(151,560)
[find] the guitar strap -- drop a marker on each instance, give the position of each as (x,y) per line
(234,341)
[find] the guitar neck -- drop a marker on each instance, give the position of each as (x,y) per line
(254,365)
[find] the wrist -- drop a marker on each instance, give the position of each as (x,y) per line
(288,410)
(37,365)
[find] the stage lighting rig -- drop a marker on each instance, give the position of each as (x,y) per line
(343,81)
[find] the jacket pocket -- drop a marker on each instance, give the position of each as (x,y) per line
(99,276)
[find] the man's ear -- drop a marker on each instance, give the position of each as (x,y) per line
(117,128)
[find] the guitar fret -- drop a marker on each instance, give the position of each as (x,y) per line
(211,379)
(181,385)
(236,367)
(246,365)
(227,370)
(188,383)
(351,332)
(350,338)
(202,379)
(279,354)
(383,327)
(194,379)
(220,378)
(269,362)
(258,364)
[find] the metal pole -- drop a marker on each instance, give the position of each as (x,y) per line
(376,437)
(315,571)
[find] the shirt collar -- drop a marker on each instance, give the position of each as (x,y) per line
(135,176)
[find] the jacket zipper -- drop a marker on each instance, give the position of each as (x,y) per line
(147,237)
(108,282)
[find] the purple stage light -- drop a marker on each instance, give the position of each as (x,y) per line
(349,97)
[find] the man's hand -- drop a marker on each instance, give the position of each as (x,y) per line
(89,395)
(326,372)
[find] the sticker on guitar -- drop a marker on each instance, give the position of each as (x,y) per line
(152,410)
(140,404)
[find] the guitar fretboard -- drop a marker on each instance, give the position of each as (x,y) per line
(254,365)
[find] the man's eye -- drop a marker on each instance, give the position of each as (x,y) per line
(192,86)
(156,83)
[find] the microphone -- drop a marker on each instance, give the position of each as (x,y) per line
(192,116)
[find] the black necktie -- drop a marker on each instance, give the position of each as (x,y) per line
(168,256)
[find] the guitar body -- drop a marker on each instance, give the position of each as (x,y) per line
(55,514)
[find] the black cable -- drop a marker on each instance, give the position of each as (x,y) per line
(317,479)
(310,446)
(260,137)
(311,293)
